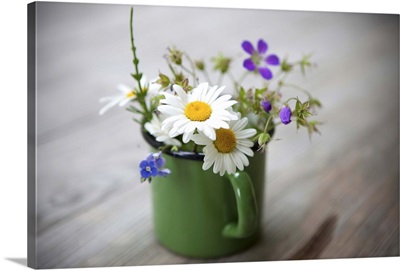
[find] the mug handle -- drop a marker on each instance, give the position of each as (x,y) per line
(246,207)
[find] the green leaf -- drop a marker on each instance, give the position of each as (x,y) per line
(285,66)
(260,92)
(315,102)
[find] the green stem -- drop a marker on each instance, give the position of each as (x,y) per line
(205,73)
(193,73)
(299,88)
(220,77)
(237,84)
(241,79)
(135,59)
(195,148)
(281,83)
(266,125)
(147,115)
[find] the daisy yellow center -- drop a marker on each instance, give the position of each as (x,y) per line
(130,94)
(225,141)
(198,111)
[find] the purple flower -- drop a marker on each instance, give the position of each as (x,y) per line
(147,169)
(163,172)
(258,59)
(158,160)
(153,166)
(266,105)
(285,115)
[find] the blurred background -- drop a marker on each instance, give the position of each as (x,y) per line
(336,196)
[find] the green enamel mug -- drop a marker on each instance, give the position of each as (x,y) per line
(200,214)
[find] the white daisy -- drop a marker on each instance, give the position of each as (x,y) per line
(154,128)
(203,109)
(228,151)
(128,94)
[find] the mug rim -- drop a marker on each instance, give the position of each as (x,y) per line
(178,154)
(181,154)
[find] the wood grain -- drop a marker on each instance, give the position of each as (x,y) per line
(334,197)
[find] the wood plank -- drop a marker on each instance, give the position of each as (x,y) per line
(334,197)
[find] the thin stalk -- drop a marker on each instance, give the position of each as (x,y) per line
(192,67)
(135,59)
(299,88)
(205,73)
(147,115)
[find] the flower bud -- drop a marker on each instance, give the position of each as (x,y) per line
(286,67)
(285,114)
(163,80)
(199,64)
(175,56)
(221,63)
(263,138)
(266,105)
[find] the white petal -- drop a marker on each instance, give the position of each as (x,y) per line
(187,137)
(124,89)
(221,100)
(173,110)
(245,150)
(149,127)
(201,139)
(213,94)
(228,164)
(209,132)
(173,101)
(243,158)
(124,101)
(216,123)
(246,133)
(207,165)
(180,125)
(224,115)
(217,164)
(170,110)
(143,81)
(168,123)
(172,119)
(212,153)
(173,142)
(108,106)
(181,93)
(162,138)
(237,160)
(239,125)
(105,99)
(195,94)
(245,143)
(225,104)
(190,127)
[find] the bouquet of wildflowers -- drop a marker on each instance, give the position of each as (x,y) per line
(185,111)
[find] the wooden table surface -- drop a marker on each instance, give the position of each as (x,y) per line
(334,197)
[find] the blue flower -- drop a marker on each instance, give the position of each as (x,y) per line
(147,169)
(163,172)
(153,166)
(266,105)
(158,160)
(258,59)
(285,115)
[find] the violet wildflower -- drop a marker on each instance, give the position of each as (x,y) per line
(258,59)
(159,161)
(163,172)
(266,105)
(153,166)
(285,114)
(148,169)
